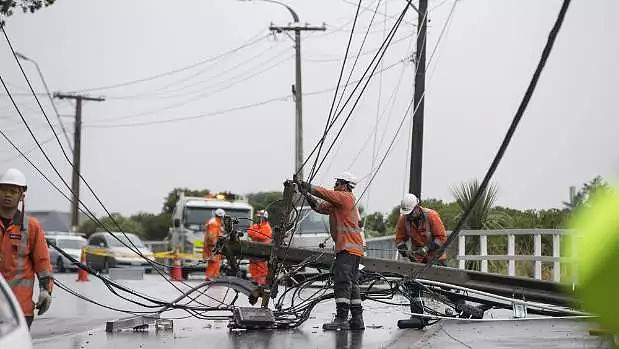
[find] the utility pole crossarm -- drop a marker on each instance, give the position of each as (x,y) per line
(76,97)
(297,27)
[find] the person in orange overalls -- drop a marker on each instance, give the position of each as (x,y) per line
(341,206)
(260,232)
(23,250)
(213,230)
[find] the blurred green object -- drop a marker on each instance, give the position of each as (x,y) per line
(595,249)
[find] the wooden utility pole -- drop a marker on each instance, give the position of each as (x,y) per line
(297,88)
(418,101)
(77,147)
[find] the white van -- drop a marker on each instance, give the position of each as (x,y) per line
(13,328)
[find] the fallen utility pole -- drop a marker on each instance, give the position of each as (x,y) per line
(77,147)
(516,287)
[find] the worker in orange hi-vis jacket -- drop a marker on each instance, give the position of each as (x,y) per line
(260,232)
(23,250)
(213,230)
(423,227)
(341,206)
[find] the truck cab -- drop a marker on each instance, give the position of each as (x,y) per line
(189,218)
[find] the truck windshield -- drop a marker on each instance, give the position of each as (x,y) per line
(311,222)
(196,217)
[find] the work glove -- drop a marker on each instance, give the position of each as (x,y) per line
(420,251)
(403,250)
(45,300)
(304,187)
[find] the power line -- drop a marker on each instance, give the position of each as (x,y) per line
(201,95)
(510,132)
(282,98)
(250,43)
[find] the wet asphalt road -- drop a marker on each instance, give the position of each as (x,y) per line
(75,323)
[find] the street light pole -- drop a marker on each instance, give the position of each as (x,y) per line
(49,95)
(297,88)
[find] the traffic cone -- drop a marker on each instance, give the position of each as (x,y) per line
(82,275)
(176,272)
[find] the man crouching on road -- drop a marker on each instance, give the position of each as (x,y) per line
(23,250)
(340,205)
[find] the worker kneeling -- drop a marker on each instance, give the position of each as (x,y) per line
(213,230)
(340,205)
(260,232)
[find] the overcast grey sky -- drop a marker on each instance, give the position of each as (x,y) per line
(475,83)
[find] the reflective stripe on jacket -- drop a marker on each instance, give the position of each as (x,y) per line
(424,233)
(343,219)
(23,252)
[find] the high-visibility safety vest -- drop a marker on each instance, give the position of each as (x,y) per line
(23,252)
(343,219)
(213,231)
(260,232)
(428,232)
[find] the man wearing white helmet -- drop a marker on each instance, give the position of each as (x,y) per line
(423,227)
(212,231)
(23,250)
(341,206)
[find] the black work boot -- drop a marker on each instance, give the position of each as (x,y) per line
(341,318)
(356,322)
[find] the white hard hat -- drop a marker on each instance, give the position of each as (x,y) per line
(14,176)
(262,213)
(408,204)
(220,212)
(348,177)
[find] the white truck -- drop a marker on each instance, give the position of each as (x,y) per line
(188,222)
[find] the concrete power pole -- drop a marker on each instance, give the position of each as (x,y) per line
(297,87)
(77,147)
(418,101)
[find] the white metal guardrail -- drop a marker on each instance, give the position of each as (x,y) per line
(384,247)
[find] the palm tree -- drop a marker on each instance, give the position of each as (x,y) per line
(481,217)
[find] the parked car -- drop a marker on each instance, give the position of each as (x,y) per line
(13,328)
(104,251)
(71,244)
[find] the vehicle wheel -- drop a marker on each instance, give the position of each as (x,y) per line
(60,265)
(148,271)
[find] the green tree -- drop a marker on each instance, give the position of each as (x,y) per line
(261,200)
(584,193)
(170,200)
(7,6)
(107,224)
(156,226)
(375,224)
(392,218)
(481,216)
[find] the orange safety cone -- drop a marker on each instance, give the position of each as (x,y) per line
(176,271)
(82,275)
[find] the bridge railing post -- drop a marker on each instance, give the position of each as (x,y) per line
(511,252)
(483,252)
(556,254)
(461,251)
(537,247)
